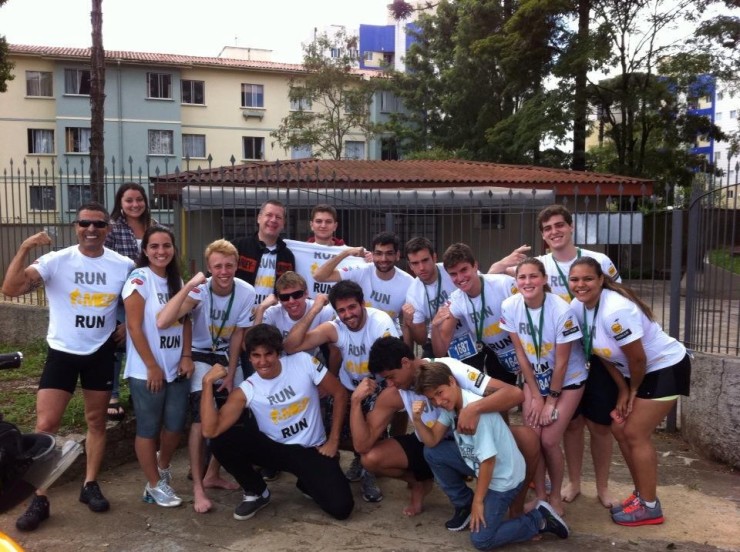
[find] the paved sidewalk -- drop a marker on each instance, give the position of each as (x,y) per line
(700,500)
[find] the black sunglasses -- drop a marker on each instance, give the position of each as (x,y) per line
(295,295)
(95,223)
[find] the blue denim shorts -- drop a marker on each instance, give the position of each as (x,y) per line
(167,408)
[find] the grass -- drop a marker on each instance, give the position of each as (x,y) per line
(724,259)
(18,388)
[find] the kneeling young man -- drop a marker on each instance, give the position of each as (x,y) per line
(282,428)
(491,455)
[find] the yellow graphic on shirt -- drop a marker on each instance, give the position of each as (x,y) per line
(493,329)
(225,332)
(357,368)
(612,271)
(278,415)
(565,297)
(265,281)
(616,328)
(98,299)
(546,348)
(314,267)
(604,352)
(568,324)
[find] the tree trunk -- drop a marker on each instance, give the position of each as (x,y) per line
(97,103)
(580,100)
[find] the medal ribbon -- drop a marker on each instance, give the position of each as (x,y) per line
(479,322)
(536,339)
(588,333)
(560,271)
(215,338)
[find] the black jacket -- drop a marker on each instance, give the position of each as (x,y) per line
(251,250)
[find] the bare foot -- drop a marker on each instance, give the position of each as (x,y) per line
(570,492)
(606,499)
(201,503)
(531,505)
(219,483)
(419,489)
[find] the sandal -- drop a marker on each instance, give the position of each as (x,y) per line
(116,413)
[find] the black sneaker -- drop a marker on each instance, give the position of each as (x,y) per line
(460,520)
(37,511)
(269,474)
(250,505)
(553,522)
(93,497)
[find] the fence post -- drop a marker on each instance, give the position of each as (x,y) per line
(675,295)
(691,265)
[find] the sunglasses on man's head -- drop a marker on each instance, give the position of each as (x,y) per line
(95,223)
(295,295)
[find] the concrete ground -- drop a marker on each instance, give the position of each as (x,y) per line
(700,498)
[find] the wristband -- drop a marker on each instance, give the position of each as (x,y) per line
(555,394)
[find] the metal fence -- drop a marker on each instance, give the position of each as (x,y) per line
(664,253)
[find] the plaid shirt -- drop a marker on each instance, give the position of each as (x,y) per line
(121,239)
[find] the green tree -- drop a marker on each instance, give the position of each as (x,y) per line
(6,66)
(332,100)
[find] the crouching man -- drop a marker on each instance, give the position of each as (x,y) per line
(282,429)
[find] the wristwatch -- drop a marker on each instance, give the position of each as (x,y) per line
(555,394)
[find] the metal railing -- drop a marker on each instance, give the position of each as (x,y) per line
(660,251)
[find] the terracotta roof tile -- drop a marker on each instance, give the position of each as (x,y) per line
(415,174)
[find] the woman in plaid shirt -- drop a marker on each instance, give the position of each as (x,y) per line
(130,218)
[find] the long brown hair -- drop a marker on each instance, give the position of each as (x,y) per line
(610,284)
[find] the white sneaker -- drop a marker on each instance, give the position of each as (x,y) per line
(164,473)
(161,495)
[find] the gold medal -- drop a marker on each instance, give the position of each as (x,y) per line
(479,346)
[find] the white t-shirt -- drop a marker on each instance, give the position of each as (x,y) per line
(386,295)
(166,344)
(559,283)
(426,299)
(559,326)
(210,321)
(277,316)
(619,322)
(492,438)
(466,376)
(495,288)
(264,280)
(287,407)
(83,296)
(355,346)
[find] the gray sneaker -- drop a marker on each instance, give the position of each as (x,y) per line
(250,505)
(161,495)
(164,473)
(370,490)
(354,473)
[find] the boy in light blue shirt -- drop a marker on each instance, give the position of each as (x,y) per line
(491,455)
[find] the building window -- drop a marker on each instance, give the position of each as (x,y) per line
(253,147)
(159,86)
(77,140)
(161,142)
(39,83)
(730,194)
(193,92)
(720,96)
(389,149)
(733,114)
(718,156)
(388,102)
(301,152)
(193,145)
(253,95)
(43,198)
(77,82)
(40,140)
(718,116)
(301,104)
(77,194)
(354,150)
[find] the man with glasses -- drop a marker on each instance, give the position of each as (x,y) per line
(83,283)
(289,304)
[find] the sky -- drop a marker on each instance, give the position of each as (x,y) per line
(189,27)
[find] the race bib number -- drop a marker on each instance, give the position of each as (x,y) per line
(462,347)
(509,361)
(543,376)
